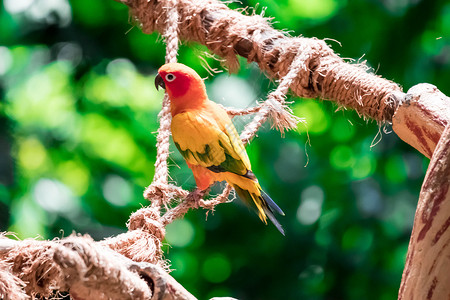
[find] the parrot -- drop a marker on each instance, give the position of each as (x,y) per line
(205,136)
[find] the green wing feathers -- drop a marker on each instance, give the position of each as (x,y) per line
(210,140)
(203,140)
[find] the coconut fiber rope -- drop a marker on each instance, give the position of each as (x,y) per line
(229,33)
(308,67)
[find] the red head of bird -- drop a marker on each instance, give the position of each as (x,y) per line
(185,87)
(205,136)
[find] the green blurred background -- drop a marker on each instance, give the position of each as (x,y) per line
(78,116)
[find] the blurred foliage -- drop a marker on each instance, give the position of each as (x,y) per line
(78,113)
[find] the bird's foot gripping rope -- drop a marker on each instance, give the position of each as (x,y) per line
(160,192)
(197,195)
(274,108)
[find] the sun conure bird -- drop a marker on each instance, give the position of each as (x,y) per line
(207,139)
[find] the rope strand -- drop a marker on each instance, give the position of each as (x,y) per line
(163,137)
(274,106)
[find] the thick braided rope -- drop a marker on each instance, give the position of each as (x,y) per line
(162,145)
(228,32)
(160,192)
(160,179)
(147,220)
(281,117)
(306,66)
(76,264)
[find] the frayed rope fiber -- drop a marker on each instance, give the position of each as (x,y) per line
(308,67)
(75,263)
(322,74)
(160,192)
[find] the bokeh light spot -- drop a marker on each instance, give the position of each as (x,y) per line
(6,60)
(342,157)
(180,233)
(39,87)
(290,162)
(312,275)
(310,206)
(75,175)
(53,196)
(216,268)
(398,8)
(368,195)
(50,12)
(364,166)
(184,264)
(316,119)
(16,6)
(112,143)
(318,9)
(28,219)
(44,101)
(117,190)
(71,52)
(123,86)
(357,239)
(231,90)
(31,154)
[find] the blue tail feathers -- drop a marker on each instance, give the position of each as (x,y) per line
(271,203)
(270,208)
(265,203)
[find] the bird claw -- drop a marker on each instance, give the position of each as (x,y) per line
(197,196)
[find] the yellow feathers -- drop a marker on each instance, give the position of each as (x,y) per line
(206,138)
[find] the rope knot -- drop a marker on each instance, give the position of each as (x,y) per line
(155,191)
(147,219)
(163,192)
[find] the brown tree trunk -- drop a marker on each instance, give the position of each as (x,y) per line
(87,269)
(421,121)
(422,117)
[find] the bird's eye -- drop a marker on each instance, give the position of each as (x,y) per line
(170,77)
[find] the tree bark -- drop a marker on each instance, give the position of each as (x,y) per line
(422,117)
(419,117)
(426,273)
(86,268)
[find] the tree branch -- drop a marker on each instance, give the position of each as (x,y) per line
(90,270)
(422,117)
(428,261)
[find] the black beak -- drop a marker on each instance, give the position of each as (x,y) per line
(159,82)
